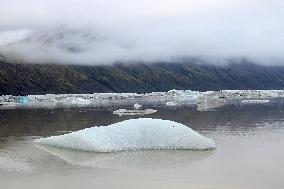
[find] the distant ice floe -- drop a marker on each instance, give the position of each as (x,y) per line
(171,104)
(203,100)
(137,106)
(254,101)
(123,112)
(132,135)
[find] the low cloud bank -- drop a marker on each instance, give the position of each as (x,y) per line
(84,32)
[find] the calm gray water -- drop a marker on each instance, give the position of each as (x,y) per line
(250,151)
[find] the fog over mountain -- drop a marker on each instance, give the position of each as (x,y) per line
(104,32)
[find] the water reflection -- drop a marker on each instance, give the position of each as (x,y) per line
(13,164)
(249,154)
(20,123)
(150,159)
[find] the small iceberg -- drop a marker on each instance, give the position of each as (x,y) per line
(137,106)
(24,100)
(9,105)
(171,104)
(255,101)
(132,135)
(78,101)
(122,112)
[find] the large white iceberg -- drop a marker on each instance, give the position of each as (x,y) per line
(133,134)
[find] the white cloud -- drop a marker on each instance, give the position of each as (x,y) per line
(98,32)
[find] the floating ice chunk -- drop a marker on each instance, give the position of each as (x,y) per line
(24,100)
(122,112)
(76,101)
(133,134)
(9,105)
(137,106)
(260,101)
(171,104)
(80,101)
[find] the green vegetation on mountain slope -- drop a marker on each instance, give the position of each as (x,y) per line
(23,79)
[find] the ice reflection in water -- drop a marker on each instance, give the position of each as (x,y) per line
(250,152)
(150,159)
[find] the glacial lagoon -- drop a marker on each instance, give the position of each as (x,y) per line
(249,153)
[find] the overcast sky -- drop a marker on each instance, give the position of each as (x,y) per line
(106,31)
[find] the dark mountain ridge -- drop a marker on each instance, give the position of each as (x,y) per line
(24,79)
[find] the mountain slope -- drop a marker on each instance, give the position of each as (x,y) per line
(23,79)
